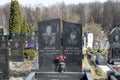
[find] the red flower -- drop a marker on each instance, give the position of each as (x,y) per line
(61,58)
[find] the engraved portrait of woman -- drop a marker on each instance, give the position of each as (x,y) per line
(72,40)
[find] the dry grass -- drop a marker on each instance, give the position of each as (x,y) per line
(85,63)
(19,78)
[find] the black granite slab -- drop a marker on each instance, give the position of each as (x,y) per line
(49,43)
(72,46)
(114,50)
(60,76)
(4,64)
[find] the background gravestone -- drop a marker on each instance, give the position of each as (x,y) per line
(114,50)
(100,59)
(32,39)
(15,36)
(1,31)
(72,46)
(49,42)
(4,57)
(3,42)
(17,51)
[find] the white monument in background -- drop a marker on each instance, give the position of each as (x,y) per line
(88,40)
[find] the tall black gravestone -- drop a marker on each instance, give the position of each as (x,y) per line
(17,51)
(114,50)
(72,46)
(4,57)
(49,44)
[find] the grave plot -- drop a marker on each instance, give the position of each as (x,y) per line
(60,52)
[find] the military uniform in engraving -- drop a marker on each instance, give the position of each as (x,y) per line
(49,36)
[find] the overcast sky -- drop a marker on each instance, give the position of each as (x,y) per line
(49,2)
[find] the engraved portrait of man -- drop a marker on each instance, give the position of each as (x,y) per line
(49,36)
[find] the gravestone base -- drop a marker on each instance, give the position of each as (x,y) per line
(60,76)
(114,61)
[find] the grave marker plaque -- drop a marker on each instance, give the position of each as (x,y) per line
(49,44)
(17,51)
(72,46)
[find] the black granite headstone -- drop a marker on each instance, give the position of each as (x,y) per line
(49,44)
(114,50)
(17,51)
(4,63)
(4,57)
(72,46)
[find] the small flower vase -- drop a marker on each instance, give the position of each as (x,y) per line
(62,66)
